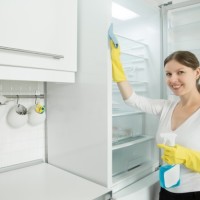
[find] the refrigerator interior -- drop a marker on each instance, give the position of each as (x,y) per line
(134,154)
(183,31)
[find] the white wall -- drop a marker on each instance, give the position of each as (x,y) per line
(26,143)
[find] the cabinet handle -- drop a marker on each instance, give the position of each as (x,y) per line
(55,56)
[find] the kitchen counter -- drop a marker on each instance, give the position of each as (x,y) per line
(46,182)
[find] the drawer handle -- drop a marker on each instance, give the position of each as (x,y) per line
(55,56)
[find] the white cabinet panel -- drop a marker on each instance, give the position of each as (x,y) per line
(32,74)
(44,26)
(46,182)
(78,123)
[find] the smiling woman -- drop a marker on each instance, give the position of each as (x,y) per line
(185,65)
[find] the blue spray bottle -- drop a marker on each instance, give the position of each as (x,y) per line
(169,174)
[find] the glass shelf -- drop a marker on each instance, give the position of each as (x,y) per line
(126,142)
(131,50)
(126,113)
(138,82)
(135,66)
(130,42)
(127,57)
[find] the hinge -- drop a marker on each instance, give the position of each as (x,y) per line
(158,167)
(165,4)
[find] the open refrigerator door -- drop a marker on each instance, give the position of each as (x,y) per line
(134,154)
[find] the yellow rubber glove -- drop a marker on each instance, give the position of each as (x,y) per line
(181,155)
(117,68)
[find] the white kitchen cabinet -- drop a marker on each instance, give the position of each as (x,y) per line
(38,37)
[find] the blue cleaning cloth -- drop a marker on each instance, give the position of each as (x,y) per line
(112,36)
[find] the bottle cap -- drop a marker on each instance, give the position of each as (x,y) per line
(169,138)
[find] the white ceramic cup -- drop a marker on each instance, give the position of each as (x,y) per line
(15,119)
(35,118)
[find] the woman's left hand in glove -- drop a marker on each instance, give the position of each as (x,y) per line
(181,155)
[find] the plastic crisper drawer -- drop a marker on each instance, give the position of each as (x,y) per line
(130,157)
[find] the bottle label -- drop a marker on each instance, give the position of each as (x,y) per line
(169,176)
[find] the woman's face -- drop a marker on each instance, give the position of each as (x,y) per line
(180,78)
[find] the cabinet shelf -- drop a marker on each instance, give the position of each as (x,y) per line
(126,142)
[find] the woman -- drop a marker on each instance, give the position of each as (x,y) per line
(181,117)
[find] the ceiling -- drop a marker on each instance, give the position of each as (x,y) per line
(145,8)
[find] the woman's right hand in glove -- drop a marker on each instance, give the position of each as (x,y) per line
(118,74)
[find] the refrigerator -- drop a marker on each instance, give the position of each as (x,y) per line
(179,30)
(91,132)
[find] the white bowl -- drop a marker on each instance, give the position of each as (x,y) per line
(16,120)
